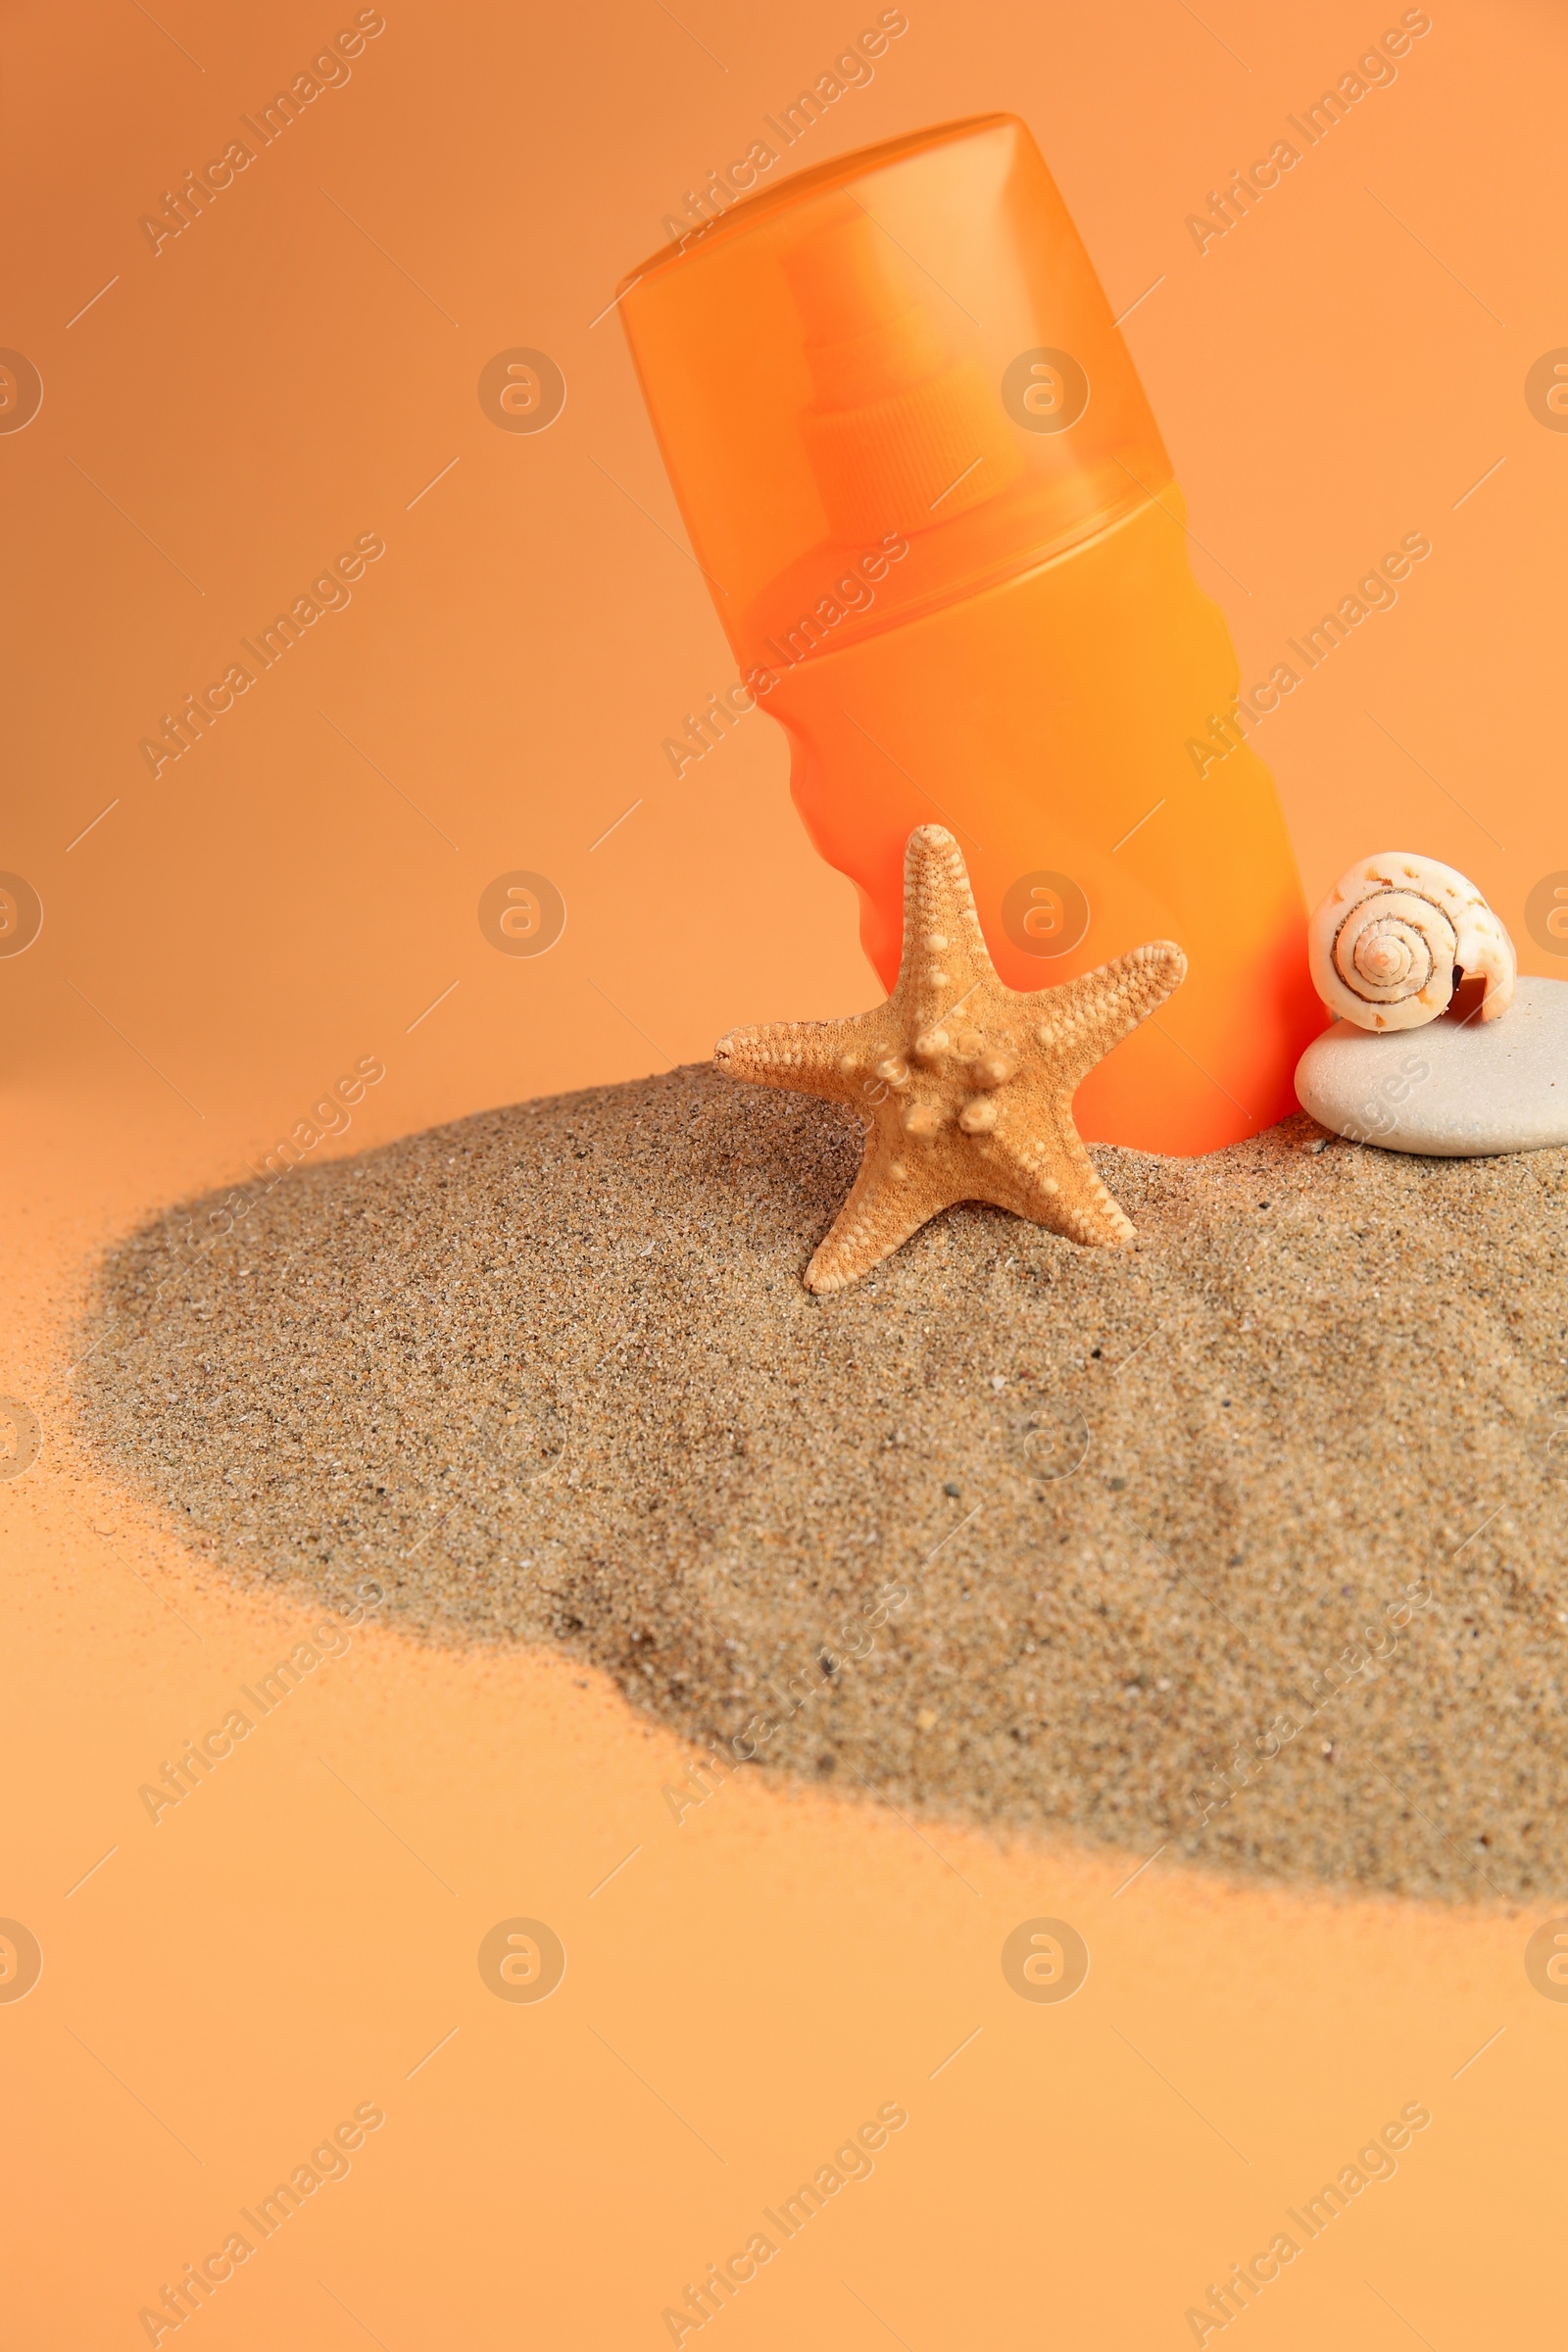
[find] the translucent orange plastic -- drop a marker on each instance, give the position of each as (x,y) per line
(942,532)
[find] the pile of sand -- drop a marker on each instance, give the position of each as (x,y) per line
(1248,1543)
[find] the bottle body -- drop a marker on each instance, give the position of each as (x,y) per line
(1048,722)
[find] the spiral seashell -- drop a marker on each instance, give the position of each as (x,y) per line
(1388,943)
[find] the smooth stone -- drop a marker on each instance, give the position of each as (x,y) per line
(1456,1090)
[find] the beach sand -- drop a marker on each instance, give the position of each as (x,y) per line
(1247,1544)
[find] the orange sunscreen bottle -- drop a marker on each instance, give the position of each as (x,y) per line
(944,538)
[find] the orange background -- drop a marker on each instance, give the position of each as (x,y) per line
(1339,370)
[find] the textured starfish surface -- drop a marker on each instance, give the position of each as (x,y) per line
(966,1085)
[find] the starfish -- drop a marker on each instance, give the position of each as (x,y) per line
(966,1085)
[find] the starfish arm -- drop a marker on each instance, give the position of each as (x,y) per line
(1080,1021)
(944,947)
(1052,1181)
(878,1217)
(804,1056)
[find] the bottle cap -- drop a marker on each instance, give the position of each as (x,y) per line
(887,383)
